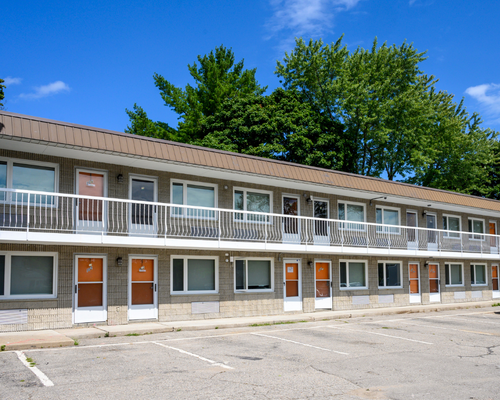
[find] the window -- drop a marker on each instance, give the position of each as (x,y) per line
(389,274)
(476,226)
(28,175)
(252,200)
(451,224)
(194,275)
(478,274)
(454,274)
(28,275)
(388,216)
(321,212)
(253,275)
(353,275)
(194,194)
(353,212)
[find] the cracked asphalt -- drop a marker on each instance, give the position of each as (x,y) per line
(445,355)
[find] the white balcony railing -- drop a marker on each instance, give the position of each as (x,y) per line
(31,211)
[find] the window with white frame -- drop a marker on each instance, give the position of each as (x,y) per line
(28,175)
(353,213)
(476,226)
(387,216)
(478,274)
(28,275)
(253,275)
(452,226)
(389,274)
(194,194)
(191,275)
(353,275)
(252,200)
(454,274)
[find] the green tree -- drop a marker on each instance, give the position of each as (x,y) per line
(217,79)
(378,95)
(279,126)
(140,124)
(2,95)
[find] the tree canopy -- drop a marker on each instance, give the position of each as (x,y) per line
(371,112)
(2,95)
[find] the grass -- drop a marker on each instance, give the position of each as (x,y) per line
(178,330)
(2,348)
(133,334)
(106,334)
(496,305)
(76,342)
(278,323)
(30,360)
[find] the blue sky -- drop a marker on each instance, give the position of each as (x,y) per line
(86,61)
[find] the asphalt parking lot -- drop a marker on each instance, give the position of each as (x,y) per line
(444,355)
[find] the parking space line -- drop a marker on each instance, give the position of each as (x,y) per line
(302,344)
(194,355)
(379,334)
(478,320)
(40,375)
(410,321)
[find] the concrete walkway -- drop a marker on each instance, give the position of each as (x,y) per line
(66,337)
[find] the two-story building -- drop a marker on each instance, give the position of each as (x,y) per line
(103,227)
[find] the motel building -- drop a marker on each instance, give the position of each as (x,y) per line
(103,227)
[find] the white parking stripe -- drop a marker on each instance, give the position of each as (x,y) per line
(302,344)
(194,355)
(446,329)
(478,320)
(376,333)
(43,378)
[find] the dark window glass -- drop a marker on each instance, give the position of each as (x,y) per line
(178,275)
(343,274)
(2,275)
(31,275)
(381,274)
(240,275)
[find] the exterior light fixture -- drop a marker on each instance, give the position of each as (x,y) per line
(309,200)
(119,178)
(376,198)
(119,261)
(310,264)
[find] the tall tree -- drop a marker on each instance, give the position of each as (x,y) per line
(217,79)
(279,126)
(379,95)
(140,124)
(2,95)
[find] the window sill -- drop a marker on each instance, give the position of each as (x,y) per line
(250,291)
(198,292)
(479,284)
(31,298)
(457,286)
(389,287)
(354,288)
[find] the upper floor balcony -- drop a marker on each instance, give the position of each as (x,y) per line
(55,218)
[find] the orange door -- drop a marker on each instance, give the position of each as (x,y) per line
(322,279)
(90,282)
(433,278)
(292,280)
(90,184)
(143,281)
(494,276)
(414,279)
(493,231)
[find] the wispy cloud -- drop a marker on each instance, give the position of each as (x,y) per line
(488,96)
(46,90)
(12,81)
(293,18)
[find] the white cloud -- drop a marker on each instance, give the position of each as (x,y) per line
(12,81)
(46,90)
(488,96)
(301,17)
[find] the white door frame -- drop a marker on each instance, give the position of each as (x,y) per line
(322,240)
(495,293)
(493,249)
(432,246)
(414,297)
(90,314)
(290,238)
(96,226)
(143,311)
(412,245)
(435,297)
(323,302)
(135,229)
(292,303)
